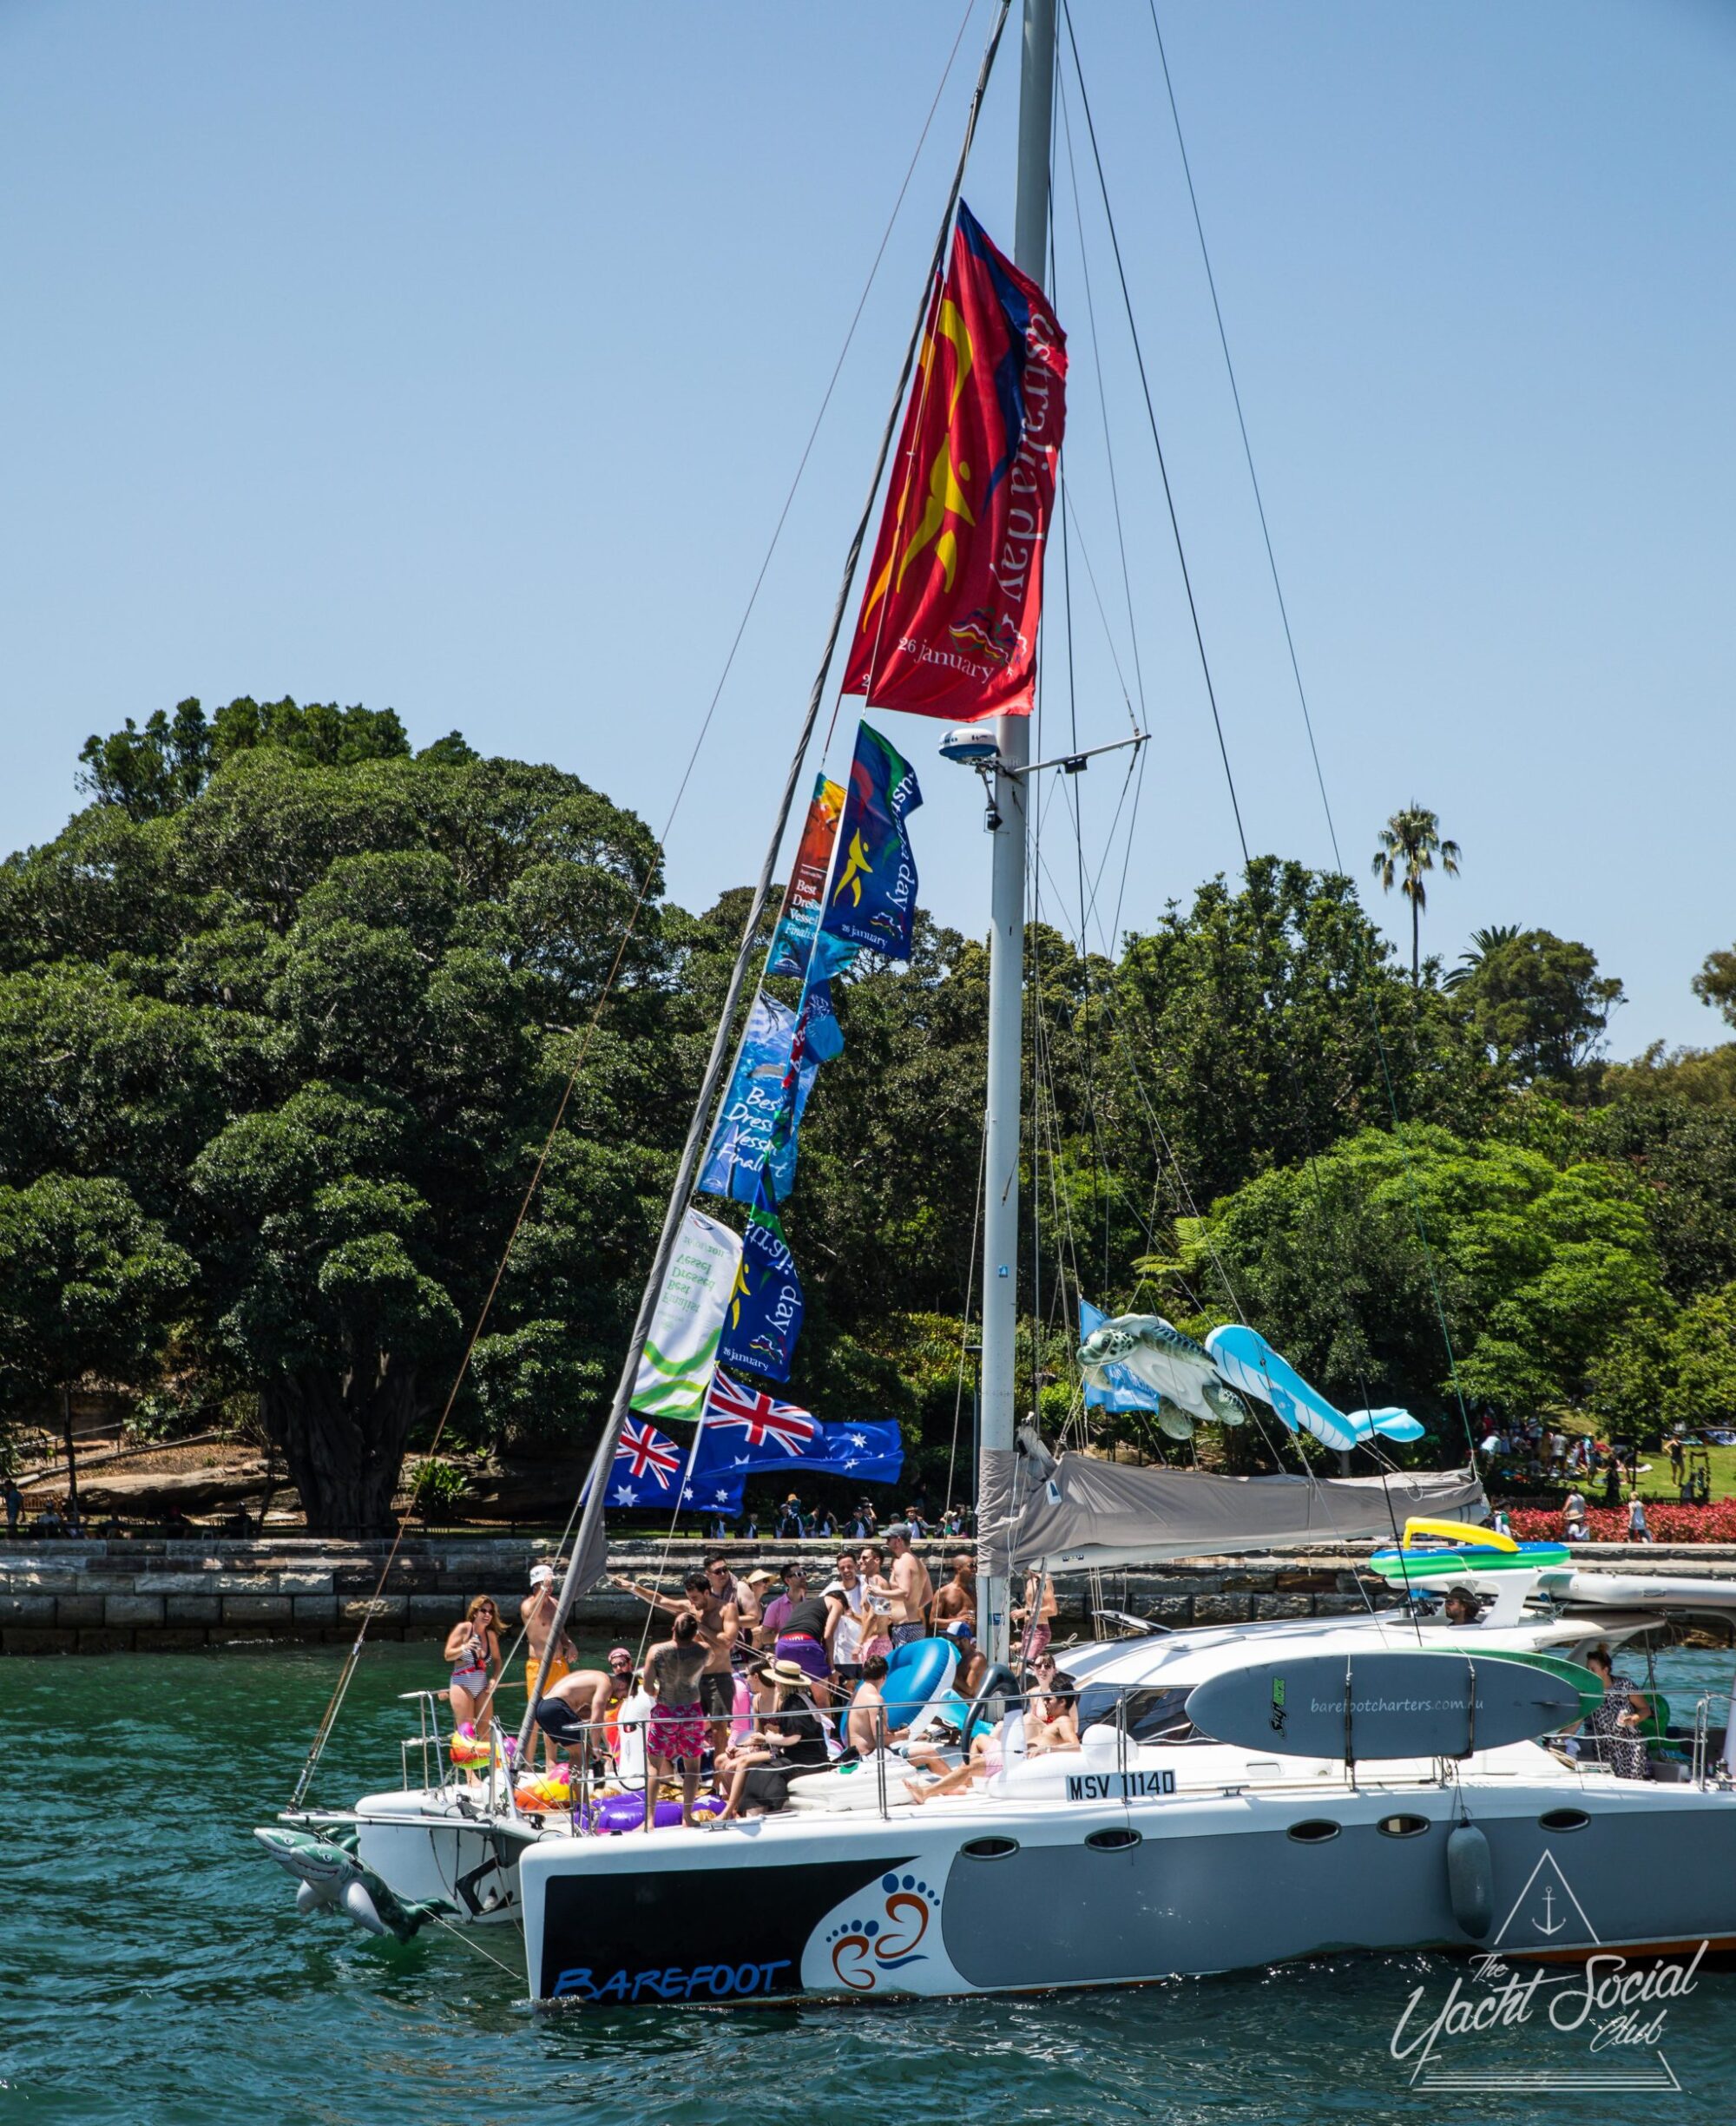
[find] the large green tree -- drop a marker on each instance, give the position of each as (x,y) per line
(1541,1008)
(90,1286)
(317,1015)
(1365,1265)
(1261,1025)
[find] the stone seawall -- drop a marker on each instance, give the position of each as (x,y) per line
(172,1595)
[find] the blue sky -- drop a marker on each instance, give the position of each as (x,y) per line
(459,359)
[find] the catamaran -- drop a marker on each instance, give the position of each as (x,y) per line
(1237,1794)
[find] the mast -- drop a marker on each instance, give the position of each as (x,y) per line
(1007,920)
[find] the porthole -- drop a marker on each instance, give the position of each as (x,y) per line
(1315,1832)
(1563,1820)
(990,1848)
(1114,1841)
(1403,1827)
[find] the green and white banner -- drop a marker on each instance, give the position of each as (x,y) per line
(680,1351)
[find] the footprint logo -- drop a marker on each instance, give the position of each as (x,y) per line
(886,1939)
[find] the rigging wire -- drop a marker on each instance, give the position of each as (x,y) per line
(1307,721)
(1157,440)
(335,1703)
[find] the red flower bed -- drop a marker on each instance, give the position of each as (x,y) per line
(1669,1524)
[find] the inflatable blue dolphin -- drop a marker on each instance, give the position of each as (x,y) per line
(1248,1362)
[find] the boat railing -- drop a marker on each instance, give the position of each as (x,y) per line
(426,1740)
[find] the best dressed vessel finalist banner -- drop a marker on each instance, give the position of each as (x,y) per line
(949,624)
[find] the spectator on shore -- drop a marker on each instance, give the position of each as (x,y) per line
(15,1505)
(792,1525)
(1637,1529)
(1574,1527)
(48,1520)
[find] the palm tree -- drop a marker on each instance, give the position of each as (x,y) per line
(1410,842)
(1484,942)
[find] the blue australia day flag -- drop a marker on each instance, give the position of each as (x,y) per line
(765,1314)
(872,896)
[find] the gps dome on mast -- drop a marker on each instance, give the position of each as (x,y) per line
(972,745)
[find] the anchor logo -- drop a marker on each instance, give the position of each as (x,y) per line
(1542,1925)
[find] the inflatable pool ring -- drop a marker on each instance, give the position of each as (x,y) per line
(626,1811)
(551,1790)
(469,1749)
(919,1679)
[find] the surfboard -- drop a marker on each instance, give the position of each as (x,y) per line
(1400,1566)
(1383,1705)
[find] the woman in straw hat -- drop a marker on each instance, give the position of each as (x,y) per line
(793,1740)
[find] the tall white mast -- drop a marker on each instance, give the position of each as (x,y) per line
(1007,916)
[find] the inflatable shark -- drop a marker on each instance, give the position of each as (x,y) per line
(327,1878)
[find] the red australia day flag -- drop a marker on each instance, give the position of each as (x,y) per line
(949,624)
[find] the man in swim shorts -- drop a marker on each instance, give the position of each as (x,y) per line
(675,1734)
(912,1590)
(719,1624)
(537,1612)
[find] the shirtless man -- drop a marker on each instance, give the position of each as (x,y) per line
(864,1726)
(956,1601)
(724,1585)
(537,1612)
(912,1590)
(719,1624)
(675,1737)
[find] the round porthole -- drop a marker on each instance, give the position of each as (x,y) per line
(990,1848)
(1403,1827)
(1563,1820)
(1315,1832)
(1114,1840)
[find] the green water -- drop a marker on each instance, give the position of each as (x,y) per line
(157,1973)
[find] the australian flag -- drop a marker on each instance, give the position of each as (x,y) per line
(746,1430)
(651,1470)
(766,1310)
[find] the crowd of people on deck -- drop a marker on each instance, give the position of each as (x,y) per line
(764,1676)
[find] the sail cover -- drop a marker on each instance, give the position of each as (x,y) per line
(1092,1514)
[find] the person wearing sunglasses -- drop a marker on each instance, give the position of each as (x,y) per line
(473,1649)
